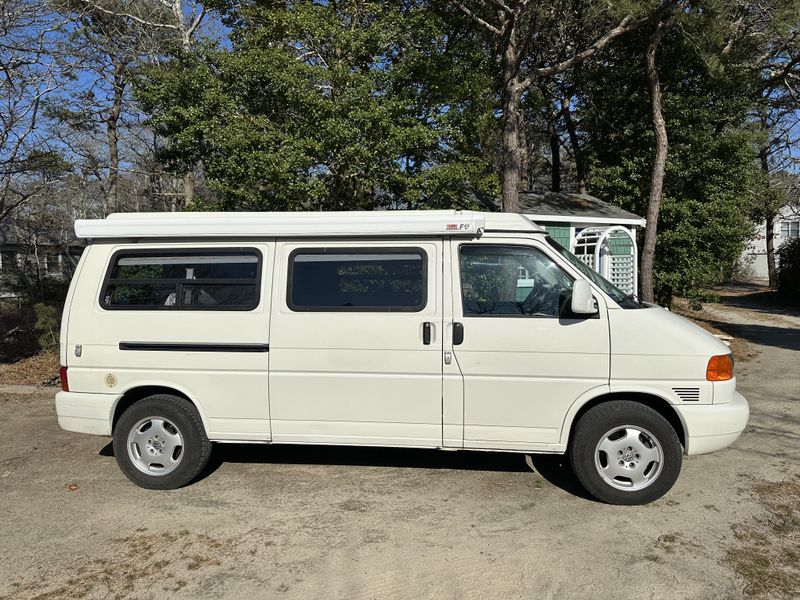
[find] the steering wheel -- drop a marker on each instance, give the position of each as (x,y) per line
(534,297)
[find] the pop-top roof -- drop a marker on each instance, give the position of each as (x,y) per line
(301,224)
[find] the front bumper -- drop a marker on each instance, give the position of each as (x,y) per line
(85,413)
(712,427)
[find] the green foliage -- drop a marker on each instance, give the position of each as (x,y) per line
(347,105)
(712,178)
(362,104)
(789,270)
(46,325)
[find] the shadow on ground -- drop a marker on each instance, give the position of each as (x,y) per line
(758,299)
(765,335)
(554,469)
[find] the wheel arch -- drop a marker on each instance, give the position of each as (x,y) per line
(658,403)
(139,392)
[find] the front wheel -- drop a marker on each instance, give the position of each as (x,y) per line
(160,442)
(624,452)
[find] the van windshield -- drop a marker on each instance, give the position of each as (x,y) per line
(616,294)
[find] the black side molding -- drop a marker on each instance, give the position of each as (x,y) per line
(171,347)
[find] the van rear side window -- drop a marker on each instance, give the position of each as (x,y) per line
(357,280)
(183,280)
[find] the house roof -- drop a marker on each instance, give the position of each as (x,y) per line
(551,206)
(575,208)
(302,224)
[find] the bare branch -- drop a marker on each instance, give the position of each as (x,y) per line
(502,6)
(486,25)
(627,24)
(196,23)
(786,72)
(737,30)
(125,15)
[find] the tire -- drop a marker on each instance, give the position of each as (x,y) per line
(160,442)
(624,452)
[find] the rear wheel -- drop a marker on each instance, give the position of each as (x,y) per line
(625,453)
(160,442)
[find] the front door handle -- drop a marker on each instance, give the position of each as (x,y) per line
(426,333)
(458,333)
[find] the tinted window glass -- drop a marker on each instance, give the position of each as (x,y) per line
(357,280)
(512,281)
(184,280)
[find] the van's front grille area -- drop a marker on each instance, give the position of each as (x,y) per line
(688,394)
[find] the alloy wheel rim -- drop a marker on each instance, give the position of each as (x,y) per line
(155,446)
(629,458)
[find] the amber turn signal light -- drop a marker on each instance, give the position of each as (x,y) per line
(720,368)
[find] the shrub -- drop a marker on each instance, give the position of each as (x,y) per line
(789,269)
(46,325)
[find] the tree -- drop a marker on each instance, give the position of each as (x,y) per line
(534,41)
(711,177)
(775,155)
(660,158)
(340,106)
(772,29)
(97,111)
(32,67)
(180,17)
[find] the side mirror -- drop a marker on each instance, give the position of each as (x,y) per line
(583,303)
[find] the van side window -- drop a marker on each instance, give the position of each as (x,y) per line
(357,280)
(183,280)
(511,281)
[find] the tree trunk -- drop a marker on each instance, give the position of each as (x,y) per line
(112,193)
(526,172)
(555,158)
(577,154)
(186,42)
(512,153)
(188,189)
(512,119)
(659,161)
(769,233)
(772,269)
(37,259)
(112,124)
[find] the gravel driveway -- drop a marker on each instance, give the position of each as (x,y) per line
(316,522)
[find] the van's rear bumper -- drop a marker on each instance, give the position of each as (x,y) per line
(85,413)
(711,427)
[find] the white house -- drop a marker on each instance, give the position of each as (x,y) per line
(753,262)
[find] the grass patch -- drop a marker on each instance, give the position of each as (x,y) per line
(767,557)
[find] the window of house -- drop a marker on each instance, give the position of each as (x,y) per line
(357,280)
(790,229)
(183,280)
(511,281)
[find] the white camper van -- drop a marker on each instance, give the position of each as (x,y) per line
(441,329)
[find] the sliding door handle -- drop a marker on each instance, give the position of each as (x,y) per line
(426,333)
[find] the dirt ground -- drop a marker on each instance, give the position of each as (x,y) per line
(316,522)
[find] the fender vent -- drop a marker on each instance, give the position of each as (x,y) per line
(688,394)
